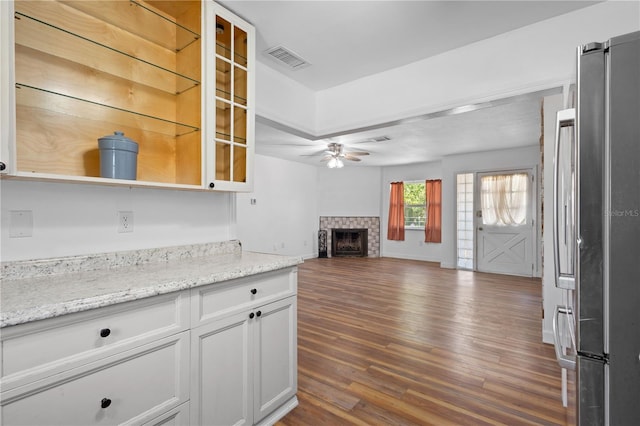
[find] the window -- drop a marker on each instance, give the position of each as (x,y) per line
(503,199)
(415,205)
(465,220)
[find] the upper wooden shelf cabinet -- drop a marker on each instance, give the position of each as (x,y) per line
(177,77)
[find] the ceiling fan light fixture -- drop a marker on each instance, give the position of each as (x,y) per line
(335,163)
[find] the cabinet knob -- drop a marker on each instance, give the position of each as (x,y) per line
(251,315)
(212,185)
(2,166)
(105,332)
(105,402)
(254,291)
(258,313)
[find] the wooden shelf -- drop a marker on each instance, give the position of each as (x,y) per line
(147,20)
(36,97)
(46,37)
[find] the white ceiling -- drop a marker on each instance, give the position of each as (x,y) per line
(347,40)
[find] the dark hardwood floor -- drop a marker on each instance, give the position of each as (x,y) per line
(385,341)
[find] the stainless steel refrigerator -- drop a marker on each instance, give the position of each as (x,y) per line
(597,233)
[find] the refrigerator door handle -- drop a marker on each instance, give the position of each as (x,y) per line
(565,361)
(563,279)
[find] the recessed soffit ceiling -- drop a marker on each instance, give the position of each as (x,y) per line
(347,40)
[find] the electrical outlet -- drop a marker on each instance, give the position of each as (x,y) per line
(125,222)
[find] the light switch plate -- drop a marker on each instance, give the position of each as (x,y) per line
(20,223)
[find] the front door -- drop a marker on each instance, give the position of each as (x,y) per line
(505,231)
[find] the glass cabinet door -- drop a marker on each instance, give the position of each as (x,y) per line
(234,120)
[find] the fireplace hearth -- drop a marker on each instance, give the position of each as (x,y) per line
(349,242)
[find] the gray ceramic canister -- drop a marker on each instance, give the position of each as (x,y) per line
(118,156)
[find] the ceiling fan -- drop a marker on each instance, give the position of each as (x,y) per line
(336,153)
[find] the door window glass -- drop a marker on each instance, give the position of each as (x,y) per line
(503,199)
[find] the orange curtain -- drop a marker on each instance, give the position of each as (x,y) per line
(395,227)
(433,227)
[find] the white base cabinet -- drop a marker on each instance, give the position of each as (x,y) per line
(121,364)
(248,365)
(275,373)
(246,349)
(222,354)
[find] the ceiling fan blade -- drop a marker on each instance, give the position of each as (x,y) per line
(357,153)
(326,158)
(350,158)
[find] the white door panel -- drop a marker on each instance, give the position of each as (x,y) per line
(505,251)
(506,248)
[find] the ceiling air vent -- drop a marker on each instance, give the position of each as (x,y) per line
(382,139)
(376,139)
(287,57)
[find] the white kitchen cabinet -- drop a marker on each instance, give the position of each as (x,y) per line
(178,416)
(219,354)
(244,343)
(123,363)
(34,351)
(177,77)
(131,387)
(275,357)
(221,391)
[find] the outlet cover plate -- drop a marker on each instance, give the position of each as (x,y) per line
(125,222)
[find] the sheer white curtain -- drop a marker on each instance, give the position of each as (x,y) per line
(503,199)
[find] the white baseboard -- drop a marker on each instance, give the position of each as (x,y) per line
(409,257)
(547,336)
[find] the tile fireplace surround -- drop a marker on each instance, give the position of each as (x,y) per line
(371,223)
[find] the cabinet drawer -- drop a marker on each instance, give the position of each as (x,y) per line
(177,417)
(132,388)
(36,350)
(217,300)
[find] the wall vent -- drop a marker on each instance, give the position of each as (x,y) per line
(287,57)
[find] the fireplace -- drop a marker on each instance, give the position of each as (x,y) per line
(370,223)
(349,242)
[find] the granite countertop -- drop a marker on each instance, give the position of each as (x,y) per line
(41,289)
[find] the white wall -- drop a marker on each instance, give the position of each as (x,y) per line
(413,247)
(72,219)
(508,159)
(284,100)
(284,218)
(535,57)
(350,191)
